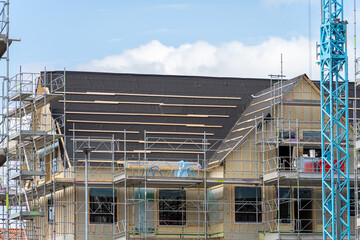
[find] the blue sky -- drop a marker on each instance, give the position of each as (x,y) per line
(82,35)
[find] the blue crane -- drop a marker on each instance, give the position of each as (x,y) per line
(334,121)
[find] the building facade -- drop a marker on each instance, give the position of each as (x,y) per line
(173,157)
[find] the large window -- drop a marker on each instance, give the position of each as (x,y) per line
(102,205)
(285,195)
(312,135)
(172,207)
(248,204)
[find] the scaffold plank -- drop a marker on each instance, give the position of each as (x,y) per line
(26,215)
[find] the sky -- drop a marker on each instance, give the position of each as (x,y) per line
(234,38)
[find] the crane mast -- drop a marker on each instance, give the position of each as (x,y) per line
(334,121)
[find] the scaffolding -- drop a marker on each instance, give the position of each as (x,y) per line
(32,147)
(153,186)
(263,181)
(286,207)
(287,202)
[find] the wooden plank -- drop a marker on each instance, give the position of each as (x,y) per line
(178,143)
(212,163)
(148,123)
(143,151)
(104,140)
(302,97)
(149,103)
(149,114)
(138,141)
(224,150)
(151,95)
(198,105)
(181,133)
(250,120)
(102,131)
(257,111)
(235,138)
(244,128)
(63,143)
(266,100)
(352,98)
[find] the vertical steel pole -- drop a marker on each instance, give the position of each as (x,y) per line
(125,186)
(87,151)
(86,197)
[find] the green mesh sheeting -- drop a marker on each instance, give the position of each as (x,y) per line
(214,206)
(143,227)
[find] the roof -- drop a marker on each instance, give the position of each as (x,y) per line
(167,109)
(104,104)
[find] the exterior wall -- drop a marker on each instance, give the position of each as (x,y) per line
(245,162)
(64,216)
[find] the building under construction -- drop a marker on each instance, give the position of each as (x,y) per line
(169,157)
(88,155)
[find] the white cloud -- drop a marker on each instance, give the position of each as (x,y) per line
(202,58)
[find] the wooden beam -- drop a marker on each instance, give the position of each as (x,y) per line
(148,152)
(137,141)
(235,138)
(224,150)
(103,131)
(257,111)
(181,133)
(250,120)
(240,129)
(150,95)
(149,114)
(103,140)
(178,143)
(351,98)
(63,143)
(148,123)
(266,100)
(149,103)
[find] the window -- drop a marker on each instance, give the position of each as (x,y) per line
(50,209)
(312,135)
(309,151)
(287,134)
(248,204)
(102,205)
(172,207)
(55,161)
(352,202)
(285,155)
(285,194)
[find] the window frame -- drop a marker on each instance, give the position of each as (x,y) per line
(285,202)
(50,209)
(96,204)
(181,201)
(258,205)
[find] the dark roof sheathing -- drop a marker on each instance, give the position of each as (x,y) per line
(159,85)
(153,102)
